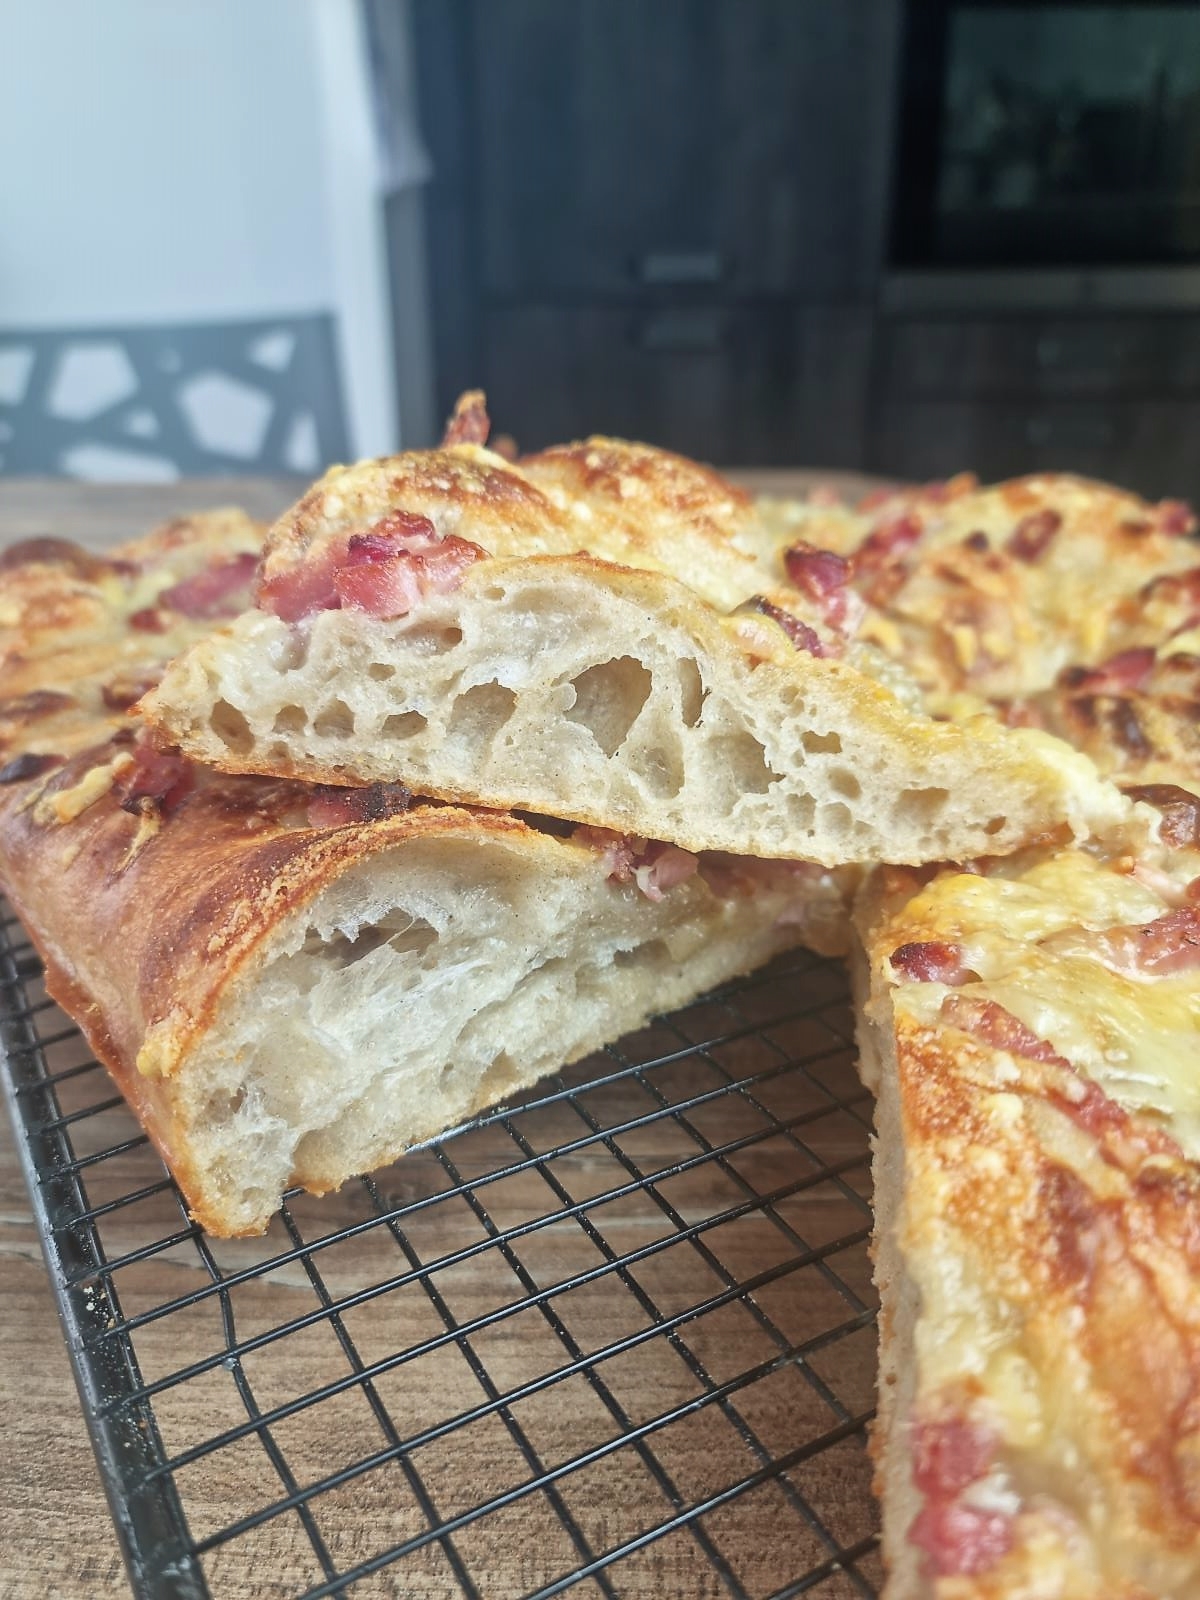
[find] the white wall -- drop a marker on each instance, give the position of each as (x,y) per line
(172,161)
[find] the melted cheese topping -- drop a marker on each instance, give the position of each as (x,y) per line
(64,805)
(1136,1036)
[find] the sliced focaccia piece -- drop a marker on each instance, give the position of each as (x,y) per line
(1033,1032)
(429,618)
(293,984)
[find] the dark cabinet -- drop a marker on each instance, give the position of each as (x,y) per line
(659,217)
(626,146)
(1147,445)
(737,385)
(1114,397)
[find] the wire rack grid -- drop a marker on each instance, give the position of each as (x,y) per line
(615,1338)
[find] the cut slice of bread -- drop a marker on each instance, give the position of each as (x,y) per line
(289,1003)
(578,687)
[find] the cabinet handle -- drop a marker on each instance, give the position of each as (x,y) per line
(677,268)
(694,328)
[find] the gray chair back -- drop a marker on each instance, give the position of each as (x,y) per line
(157,403)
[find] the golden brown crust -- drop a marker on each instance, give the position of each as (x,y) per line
(1052,1229)
(625,503)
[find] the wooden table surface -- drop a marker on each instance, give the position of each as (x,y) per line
(56,1537)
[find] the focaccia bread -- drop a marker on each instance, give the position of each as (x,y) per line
(430,618)
(1032,1028)
(290,990)
(289,984)
(1058,602)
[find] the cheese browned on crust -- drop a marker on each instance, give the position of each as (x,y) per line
(292,985)
(1034,1031)
(429,618)
(1057,602)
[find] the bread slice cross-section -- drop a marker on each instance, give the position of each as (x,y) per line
(584,635)
(293,984)
(290,991)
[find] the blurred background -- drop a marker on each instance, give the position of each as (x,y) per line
(904,236)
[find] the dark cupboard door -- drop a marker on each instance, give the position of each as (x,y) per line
(624,147)
(731,385)
(1147,445)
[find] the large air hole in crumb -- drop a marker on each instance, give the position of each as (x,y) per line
(289,651)
(654,953)
(835,818)
(290,719)
(222,1105)
(608,698)
(744,763)
(431,641)
(380,671)
(995,826)
(231,727)
(844,782)
(415,939)
(692,693)
(480,713)
(403,725)
(661,769)
(341,950)
(497,1081)
(921,805)
(334,721)
(821,743)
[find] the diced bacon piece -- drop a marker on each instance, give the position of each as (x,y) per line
(825,577)
(949,1453)
(961,1540)
(1124,673)
(385,570)
(1033,533)
(1169,944)
(148,620)
(407,530)
(389,588)
(888,543)
(304,589)
(978,541)
(801,635)
(469,424)
(663,866)
(991,1023)
(219,591)
(653,866)
(331,807)
(1180,812)
(155,781)
(1175,517)
(394,585)
(933,962)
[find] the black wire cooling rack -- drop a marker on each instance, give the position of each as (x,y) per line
(616,1338)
